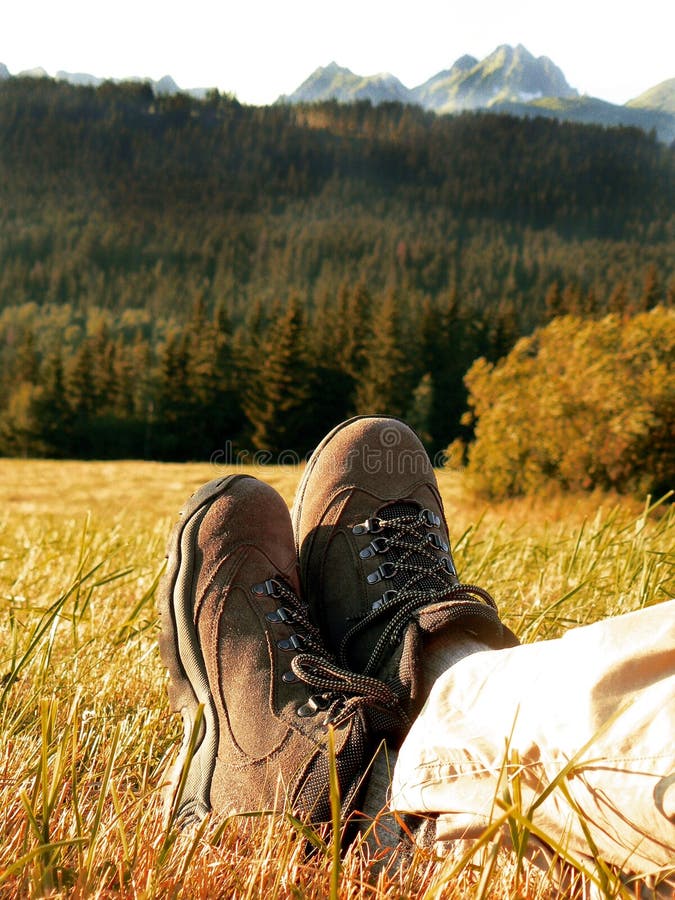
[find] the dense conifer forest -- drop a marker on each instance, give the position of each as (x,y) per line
(179,277)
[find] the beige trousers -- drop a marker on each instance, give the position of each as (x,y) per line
(573,732)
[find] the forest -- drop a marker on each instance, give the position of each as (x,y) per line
(179,276)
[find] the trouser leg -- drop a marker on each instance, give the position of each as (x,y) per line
(442,651)
(592,712)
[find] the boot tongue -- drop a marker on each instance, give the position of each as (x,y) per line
(398,509)
(407,508)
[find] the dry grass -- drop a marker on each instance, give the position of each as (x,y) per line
(85,731)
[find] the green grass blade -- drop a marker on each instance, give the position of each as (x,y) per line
(336,813)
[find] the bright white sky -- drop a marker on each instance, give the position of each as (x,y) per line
(258,49)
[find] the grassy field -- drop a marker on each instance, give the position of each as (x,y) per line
(86,735)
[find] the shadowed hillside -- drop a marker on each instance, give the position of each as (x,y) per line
(171,268)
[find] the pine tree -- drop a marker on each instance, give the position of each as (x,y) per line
(503,330)
(383,384)
(102,351)
(19,427)
(354,312)
(171,409)
(276,403)
(669,301)
(225,415)
(122,398)
(420,411)
(26,358)
(554,302)
(81,385)
(618,299)
(38,420)
(590,304)
(83,399)
(201,385)
(448,345)
(651,290)
(332,386)
(571,300)
(144,392)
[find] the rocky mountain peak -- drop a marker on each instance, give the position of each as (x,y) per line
(464,63)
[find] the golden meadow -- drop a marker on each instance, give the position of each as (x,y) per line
(86,734)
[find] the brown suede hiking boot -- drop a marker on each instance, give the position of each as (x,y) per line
(236,638)
(375,556)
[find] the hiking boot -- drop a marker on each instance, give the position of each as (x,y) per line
(375,558)
(236,639)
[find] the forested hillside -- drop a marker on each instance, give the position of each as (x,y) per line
(179,274)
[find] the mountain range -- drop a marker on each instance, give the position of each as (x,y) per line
(508,80)
(165,85)
(510,74)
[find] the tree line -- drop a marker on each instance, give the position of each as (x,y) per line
(277,382)
(176,274)
(98,386)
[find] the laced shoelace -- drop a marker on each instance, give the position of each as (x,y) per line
(339,691)
(421,569)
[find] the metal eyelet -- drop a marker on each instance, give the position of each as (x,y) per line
(280,615)
(377,545)
(449,566)
(269,588)
(429,518)
(386,598)
(316,703)
(437,541)
(386,570)
(294,642)
(289,677)
(370,526)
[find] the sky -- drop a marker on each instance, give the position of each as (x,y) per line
(259,49)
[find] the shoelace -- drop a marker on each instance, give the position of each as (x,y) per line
(419,564)
(339,692)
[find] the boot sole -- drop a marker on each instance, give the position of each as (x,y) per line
(181,654)
(309,468)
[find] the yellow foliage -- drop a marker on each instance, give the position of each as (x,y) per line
(585,403)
